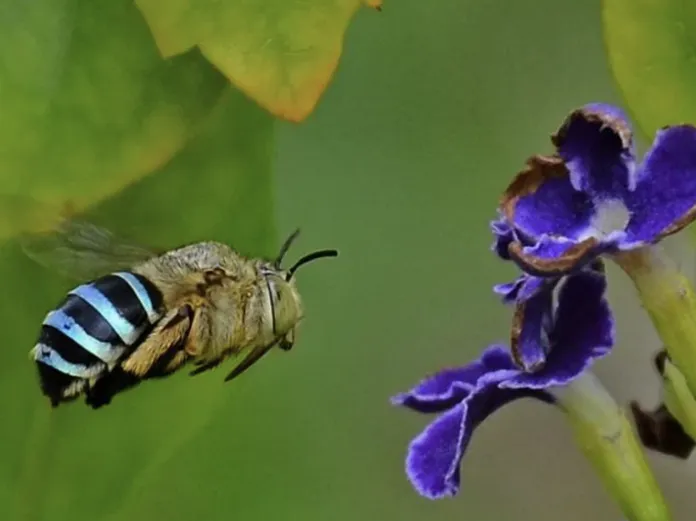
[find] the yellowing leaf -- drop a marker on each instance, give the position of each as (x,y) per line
(88,104)
(375,4)
(282,53)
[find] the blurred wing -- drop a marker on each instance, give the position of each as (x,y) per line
(83,250)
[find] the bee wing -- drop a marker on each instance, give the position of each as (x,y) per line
(83,250)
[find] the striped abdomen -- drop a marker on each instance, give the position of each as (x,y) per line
(90,332)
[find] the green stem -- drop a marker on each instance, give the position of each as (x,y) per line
(678,398)
(669,299)
(605,436)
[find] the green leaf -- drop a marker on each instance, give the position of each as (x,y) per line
(76,463)
(88,104)
(650,44)
(282,53)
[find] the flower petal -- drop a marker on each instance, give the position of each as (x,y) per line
(448,387)
(596,144)
(541,200)
(441,391)
(523,288)
(509,290)
(504,235)
(432,464)
(496,360)
(664,201)
(434,456)
(583,331)
(529,340)
(556,256)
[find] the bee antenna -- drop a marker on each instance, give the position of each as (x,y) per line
(285,247)
(309,258)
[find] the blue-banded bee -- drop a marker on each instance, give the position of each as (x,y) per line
(145,314)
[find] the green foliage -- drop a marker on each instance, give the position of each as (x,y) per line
(651,51)
(282,53)
(56,462)
(96,121)
(88,105)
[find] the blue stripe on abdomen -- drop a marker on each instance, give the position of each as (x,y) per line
(93,329)
(49,356)
(126,331)
(69,327)
(145,296)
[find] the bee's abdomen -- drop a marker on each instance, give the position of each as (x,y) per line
(92,329)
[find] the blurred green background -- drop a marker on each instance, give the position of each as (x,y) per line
(434,107)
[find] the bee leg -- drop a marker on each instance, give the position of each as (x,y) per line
(206,366)
(109,385)
(171,332)
(200,333)
(250,359)
(167,364)
(177,361)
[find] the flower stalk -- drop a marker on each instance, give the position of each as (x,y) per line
(678,398)
(668,297)
(605,436)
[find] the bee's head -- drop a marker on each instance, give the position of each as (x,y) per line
(286,304)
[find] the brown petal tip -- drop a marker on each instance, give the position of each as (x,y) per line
(515,334)
(604,119)
(573,258)
(681,223)
(659,431)
(537,170)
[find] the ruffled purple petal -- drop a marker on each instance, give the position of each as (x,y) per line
(530,341)
(665,199)
(503,236)
(596,144)
(583,331)
(497,363)
(432,464)
(554,208)
(557,256)
(523,288)
(442,390)
(448,387)
(509,290)
(434,456)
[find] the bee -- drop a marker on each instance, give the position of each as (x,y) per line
(144,313)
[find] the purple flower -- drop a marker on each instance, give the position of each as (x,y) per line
(582,331)
(592,197)
(526,286)
(534,298)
